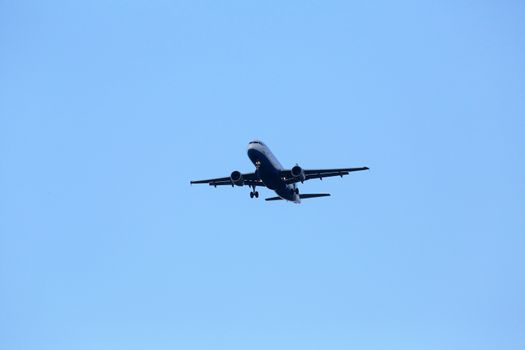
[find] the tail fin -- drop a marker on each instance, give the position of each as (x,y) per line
(313,195)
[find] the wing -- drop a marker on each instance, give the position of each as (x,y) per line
(319,173)
(249,179)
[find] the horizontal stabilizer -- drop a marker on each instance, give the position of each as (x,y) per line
(302,196)
(314,195)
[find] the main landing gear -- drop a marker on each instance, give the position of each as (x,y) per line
(254,193)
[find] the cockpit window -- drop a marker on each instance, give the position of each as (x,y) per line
(257,142)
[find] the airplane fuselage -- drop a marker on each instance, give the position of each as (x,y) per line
(269,171)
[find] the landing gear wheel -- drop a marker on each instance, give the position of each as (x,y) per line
(256,194)
(251,194)
(296,191)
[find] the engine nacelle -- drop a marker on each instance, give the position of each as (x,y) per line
(298,173)
(236,178)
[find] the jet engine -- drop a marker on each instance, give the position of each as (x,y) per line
(298,173)
(236,178)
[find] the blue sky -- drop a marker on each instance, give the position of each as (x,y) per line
(109,108)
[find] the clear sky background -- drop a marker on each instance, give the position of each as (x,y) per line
(109,108)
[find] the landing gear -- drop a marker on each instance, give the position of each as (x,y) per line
(254,193)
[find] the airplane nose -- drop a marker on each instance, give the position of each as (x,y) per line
(251,146)
(254,154)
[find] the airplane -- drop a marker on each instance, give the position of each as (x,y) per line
(271,174)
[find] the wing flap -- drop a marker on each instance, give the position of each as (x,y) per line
(216,180)
(250,179)
(319,173)
(337,170)
(257,183)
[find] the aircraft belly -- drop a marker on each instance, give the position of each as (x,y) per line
(270,179)
(286,193)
